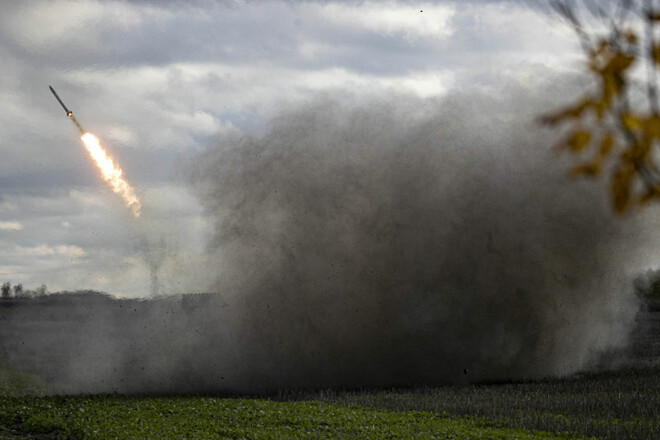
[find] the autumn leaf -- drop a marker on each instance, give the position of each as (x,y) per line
(621,184)
(652,128)
(630,121)
(587,169)
(637,152)
(606,145)
(619,63)
(656,53)
(571,112)
(579,140)
(612,86)
(630,37)
(600,48)
(621,122)
(651,193)
(601,108)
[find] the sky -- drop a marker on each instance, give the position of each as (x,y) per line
(161,82)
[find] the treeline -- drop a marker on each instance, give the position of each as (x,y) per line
(16,291)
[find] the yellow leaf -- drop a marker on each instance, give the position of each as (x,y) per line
(651,193)
(601,107)
(619,63)
(630,121)
(620,197)
(621,187)
(587,169)
(606,145)
(653,126)
(579,140)
(636,152)
(612,86)
(600,48)
(566,113)
(656,53)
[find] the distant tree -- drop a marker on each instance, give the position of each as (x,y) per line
(18,289)
(616,126)
(41,290)
(6,290)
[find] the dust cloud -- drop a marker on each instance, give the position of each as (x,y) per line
(403,241)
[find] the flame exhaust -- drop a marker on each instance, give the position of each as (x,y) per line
(111,173)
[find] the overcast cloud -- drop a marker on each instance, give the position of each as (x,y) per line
(160,82)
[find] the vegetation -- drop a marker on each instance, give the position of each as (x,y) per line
(18,292)
(180,417)
(610,405)
(616,126)
(613,405)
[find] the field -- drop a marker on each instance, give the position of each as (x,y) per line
(616,405)
(178,417)
(622,404)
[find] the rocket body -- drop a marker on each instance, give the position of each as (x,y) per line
(69,113)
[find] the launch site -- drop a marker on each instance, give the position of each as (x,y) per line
(241,219)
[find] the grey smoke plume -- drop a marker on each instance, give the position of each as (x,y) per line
(381,242)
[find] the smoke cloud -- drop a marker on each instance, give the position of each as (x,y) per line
(405,241)
(384,242)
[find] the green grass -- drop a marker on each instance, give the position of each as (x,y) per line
(181,417)
(614,405)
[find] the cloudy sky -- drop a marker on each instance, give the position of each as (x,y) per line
(160,82)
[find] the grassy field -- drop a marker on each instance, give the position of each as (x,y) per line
(614,405)
(181,417)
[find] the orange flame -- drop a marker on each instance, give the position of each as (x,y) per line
(111,173)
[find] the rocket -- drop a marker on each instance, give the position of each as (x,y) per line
(110,173)
(69,113)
